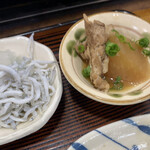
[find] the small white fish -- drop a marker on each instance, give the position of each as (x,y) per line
(26,88)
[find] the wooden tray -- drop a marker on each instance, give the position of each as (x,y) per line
(76,114)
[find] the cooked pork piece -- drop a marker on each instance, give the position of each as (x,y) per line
(95,52)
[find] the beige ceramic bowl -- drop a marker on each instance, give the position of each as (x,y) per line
(130,26)
(19,45)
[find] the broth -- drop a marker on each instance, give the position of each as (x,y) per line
(131,65)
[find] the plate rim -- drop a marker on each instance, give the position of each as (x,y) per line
(103,127)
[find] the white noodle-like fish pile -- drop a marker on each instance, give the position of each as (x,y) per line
(26,89)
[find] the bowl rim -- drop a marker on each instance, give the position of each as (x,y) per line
(87,93)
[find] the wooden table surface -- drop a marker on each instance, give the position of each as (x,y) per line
(76,114)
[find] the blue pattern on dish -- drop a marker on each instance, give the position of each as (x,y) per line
(78,146)
(143,128)
(134,147)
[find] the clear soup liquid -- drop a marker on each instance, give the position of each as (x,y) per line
(131,65)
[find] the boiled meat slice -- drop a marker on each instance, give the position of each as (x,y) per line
(95,52)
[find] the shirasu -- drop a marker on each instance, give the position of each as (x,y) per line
(26,89)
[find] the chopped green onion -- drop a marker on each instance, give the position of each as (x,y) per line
(118,85)
(119,36)
(118,79)
(122,38)
(111,49)
(144,42)
(86,72)
(146,52)
(81,48)
(130,45)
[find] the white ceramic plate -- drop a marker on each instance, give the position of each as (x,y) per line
(19,45)
(130,26)
(128,134)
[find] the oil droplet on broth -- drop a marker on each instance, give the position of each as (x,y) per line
(131,65)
